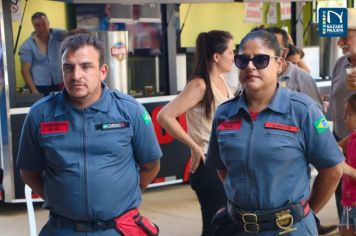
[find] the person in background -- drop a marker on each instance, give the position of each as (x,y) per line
(348,145)
(296,55)
(40,58)
(339,90)
(88,151)
(291,75)
(262,143)
(199,100)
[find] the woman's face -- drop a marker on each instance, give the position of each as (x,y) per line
(225,60)
(254,79)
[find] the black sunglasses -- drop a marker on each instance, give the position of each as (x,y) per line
(260,61)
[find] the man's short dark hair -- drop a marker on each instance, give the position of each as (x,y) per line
(76,41)
(38,15)
(278,30)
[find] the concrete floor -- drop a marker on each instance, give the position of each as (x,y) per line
(174,208)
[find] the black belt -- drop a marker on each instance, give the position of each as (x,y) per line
(80,226)
(276,219)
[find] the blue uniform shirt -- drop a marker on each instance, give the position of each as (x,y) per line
(267,160)
(45,69)
(90,157)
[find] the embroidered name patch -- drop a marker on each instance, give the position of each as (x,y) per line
(273,125)
(321,125)
(54,127)
(230,125)
(117,125)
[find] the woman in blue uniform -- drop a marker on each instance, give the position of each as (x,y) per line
(262,143)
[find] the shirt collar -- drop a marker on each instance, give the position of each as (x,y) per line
(50,35)
(64,104)
(280,102)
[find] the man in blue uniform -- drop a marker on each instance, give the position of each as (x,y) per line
(87,151)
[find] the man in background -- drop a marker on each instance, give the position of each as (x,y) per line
(40,59)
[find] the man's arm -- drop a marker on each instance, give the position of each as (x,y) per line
(34,180)
(148,172)
(324,186)
(26,74)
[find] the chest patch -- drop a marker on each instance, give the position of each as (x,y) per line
(117,125)
(273,125)
(54,127)
(230,125)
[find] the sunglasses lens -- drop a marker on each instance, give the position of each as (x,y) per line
(241,61)
(260,61)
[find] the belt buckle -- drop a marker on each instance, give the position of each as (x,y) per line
(255,228)
(82,226)
(284,221)
(250,222)
(249,218)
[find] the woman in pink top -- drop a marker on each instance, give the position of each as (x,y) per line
(199,99)
(348,144)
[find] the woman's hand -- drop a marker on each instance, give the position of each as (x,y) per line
(197,156)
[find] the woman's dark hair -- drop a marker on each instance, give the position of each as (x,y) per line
(207,44)
(268,40)
(351,100)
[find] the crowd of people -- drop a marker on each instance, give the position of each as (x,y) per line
(90,151)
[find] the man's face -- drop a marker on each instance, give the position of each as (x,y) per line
(83,75)
(295,59)
(41,26)
(348,43)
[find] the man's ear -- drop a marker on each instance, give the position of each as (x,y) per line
(104,71)
(285,52)
(279,61)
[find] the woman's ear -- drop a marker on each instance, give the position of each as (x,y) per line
(216,57)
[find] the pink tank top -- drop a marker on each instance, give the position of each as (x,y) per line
(349,184)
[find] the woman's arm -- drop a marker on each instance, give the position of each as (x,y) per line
(191,95)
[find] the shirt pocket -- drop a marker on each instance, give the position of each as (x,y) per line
(281,144)
(60,151)
(114,141)
(231,145)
